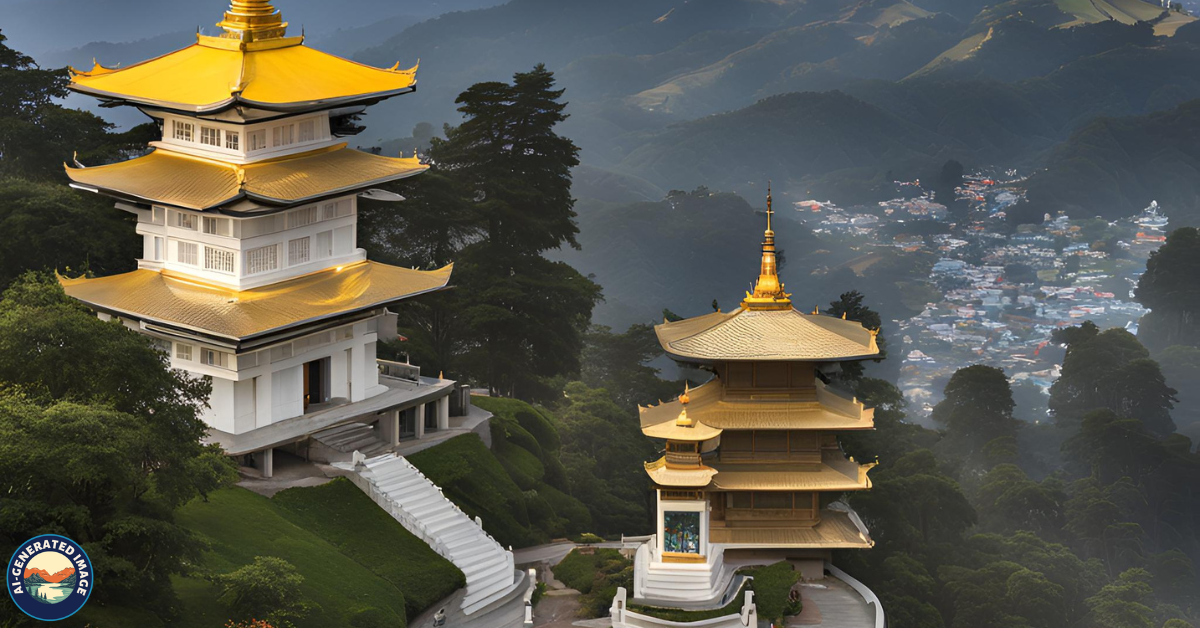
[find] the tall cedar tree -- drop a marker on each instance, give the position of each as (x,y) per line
(497,196)
(978,407)
(1170,287)
(1110,369)
(850,304)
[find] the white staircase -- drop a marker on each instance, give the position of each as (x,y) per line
(418,504)
(685,585)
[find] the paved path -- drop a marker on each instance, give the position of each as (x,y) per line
(556,611)
(549,554)
(290,471)
(831,603)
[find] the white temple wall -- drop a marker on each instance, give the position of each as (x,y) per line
(244,253)
(220,413)
(246,143)
(244,405)
(287,396)
(252,390)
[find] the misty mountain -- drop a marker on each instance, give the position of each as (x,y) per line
(77,23)
(1116,166)
(839,142)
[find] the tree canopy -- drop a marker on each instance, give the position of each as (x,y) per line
(100,441)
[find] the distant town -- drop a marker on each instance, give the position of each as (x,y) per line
(1003,291)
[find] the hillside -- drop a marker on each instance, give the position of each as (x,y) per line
(1069,13)
(1019,48)
(838,144)
(787,138)
(1115,166)
(359,565)
(875,40)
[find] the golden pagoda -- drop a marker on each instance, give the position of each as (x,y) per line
(250,271)
(751,468)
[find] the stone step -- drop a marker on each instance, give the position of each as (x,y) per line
(417,504)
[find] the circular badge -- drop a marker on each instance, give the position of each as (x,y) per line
(49,577)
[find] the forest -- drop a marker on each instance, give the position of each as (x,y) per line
(1091,519)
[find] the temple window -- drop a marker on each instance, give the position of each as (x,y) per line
(158,249)
(182,130)
(219,260)
(182,351)
(329,211)
(216,226)
(283,135)
(231,140)
(324,244)
(213,358)
(308,130)
(187,253)
(185,221)
(301,217)
(262,259)
(210,136)
(298,251)
(257,139)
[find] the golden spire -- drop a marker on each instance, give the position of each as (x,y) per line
(683,420)
(768,291)
(252,20)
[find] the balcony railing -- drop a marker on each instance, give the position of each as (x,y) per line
(399,370)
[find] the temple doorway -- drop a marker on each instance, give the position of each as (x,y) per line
(316,388)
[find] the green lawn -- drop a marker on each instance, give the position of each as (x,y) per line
(357,562)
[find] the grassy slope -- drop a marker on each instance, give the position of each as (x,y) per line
(339,513)
(353,557)
(518,486)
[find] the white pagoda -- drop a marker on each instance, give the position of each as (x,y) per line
(250,272)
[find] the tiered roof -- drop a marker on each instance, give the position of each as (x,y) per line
(238,315)
(191,182)
(713,409)
(252,64)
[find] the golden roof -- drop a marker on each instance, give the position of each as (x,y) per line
(172,300)
(835,530)
(665,474)
(765,334)
(181,180)
(751,476)
(712,409)
(253,64)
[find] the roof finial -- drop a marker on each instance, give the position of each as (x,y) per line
(770,212)
(768,291)
(683,420)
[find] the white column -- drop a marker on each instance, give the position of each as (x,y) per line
(357,374)
(390,425)
(443,413)
(267,466)
(421,421)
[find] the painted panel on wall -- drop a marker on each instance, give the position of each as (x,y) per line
(681,532)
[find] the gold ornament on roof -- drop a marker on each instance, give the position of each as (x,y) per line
(252,20)
(768,291)
(683,420)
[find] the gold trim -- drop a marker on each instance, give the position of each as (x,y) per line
(673,557)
